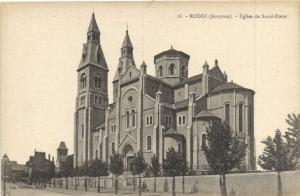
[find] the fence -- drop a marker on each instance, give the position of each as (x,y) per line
(242,184)
(83,183)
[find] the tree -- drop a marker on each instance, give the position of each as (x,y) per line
(98,168)
(83,170)
(67,169)
(155,168)
(223,151)
(172,165)
(50,172)
(116,167)
(292,134)
(184,170)
(139,166)
(277,156)
(76,174)
(134,173)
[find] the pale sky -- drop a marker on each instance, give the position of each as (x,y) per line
(41,47)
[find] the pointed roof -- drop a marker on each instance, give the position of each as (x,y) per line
(93,25)
(127,42)
(62,146)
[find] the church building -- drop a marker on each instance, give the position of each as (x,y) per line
(149,113)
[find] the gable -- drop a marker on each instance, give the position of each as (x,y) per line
(216,72)
(130,74)
(128,139)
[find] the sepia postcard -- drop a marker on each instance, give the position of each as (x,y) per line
(150,98)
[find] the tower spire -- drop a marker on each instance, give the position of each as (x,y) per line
(126,60)
(127,41)
(93,25)
(92,51)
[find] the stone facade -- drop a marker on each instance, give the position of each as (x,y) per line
(151,114)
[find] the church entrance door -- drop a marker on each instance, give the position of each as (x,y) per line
(128,157)
(130,163)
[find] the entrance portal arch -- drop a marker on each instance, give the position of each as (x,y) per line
(128,157)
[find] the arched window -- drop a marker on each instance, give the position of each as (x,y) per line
(96,99)
(130,99)
(82,80)
(127,119)
(82,99)
(240,117)
(113,150)
(149,143)
(203,141)
(171,69)
(227,113)
(133,118)
(183,71)
(97,81)
(96,154)
(160,71)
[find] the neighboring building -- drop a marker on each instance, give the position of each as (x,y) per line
(151,114)
(62,155)
(39,164)
(11,169)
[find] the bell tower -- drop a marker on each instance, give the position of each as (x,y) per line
(92,96)
(171,66)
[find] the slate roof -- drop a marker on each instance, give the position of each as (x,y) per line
(62,146)
(93,25)
(171,51)
(181,104)
(127,42)
(100,126)
(196,78)
(189,80)
(204,113)
(228,86)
